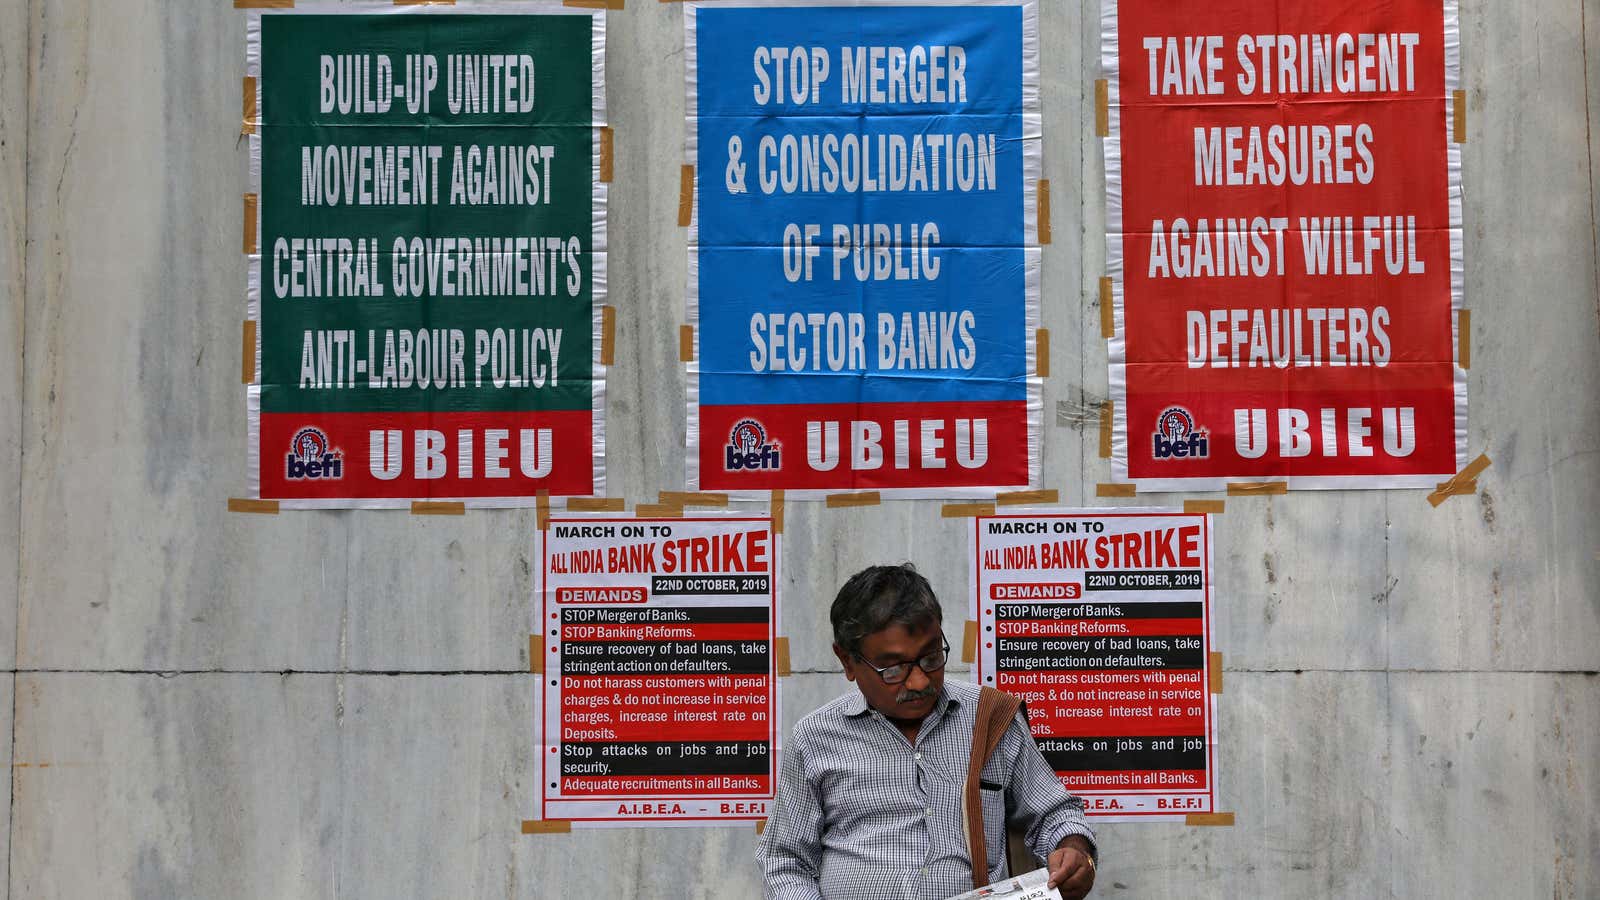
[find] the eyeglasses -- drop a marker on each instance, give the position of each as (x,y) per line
(899,672)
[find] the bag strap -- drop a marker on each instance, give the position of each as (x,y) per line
(996,710)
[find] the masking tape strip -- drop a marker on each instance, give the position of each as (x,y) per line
(761,824)
(1041,352)
(263,4)
(776,511)
(1214,668)
(1214,507)
(1108,315)
(536,654)
(542,505)
(1459,99)
(438,508)
(1102,107)
(1257,488)
(596,504)
(1028,498)
(1115,490)
(860,498)
(1464,482)
(966,510)
(1464,337)
(1107,425)
(685,343)
(1042,213)
(248,123)
(1474,468)
(241,505)
(1224,820)
(250,201)
(424,2)
(691,498)
(594,4)
(608,335)
(1454,489)
(969,642)
(685,196)
(780,657)
(247,364)
(607,137)
(546,826)
(658,511)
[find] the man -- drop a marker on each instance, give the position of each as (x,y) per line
(869,801)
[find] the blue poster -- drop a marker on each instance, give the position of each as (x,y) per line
(864,258)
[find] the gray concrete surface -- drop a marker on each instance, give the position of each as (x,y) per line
(132,424)
(1469,751)
(1508,579)
(14,81)
(13,206)
(8,791)
(1411,709)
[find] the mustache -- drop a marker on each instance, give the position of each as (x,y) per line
(911,696)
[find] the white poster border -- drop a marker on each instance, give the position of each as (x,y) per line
(1116,346)
(1099,799)
(599,206)
(1032,171)
(542,712)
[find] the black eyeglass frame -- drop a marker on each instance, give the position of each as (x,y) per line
(920,662)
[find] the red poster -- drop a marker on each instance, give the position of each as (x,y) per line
(1100,620)
(1284,241)
(656,646)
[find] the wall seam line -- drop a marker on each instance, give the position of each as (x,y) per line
(1087,281)
(350,536)
(22,418)
(1388,752)
(1387,586)
(395,673)
(1588,140)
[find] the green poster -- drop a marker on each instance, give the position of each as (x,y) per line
(430,261)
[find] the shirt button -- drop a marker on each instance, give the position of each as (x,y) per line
(928,810)
(924,870)
(919,756)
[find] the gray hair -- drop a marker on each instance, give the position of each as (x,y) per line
(878,596)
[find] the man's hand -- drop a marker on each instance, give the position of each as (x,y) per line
(1072,868)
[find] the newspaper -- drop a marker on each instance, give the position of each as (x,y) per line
(1034,885)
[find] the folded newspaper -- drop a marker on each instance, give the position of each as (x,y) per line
(1034,885)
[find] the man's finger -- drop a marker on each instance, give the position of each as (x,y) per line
(1058,873)
(1065,864)
(1078,882)
(1058,867)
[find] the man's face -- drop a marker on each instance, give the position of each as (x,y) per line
(910,699)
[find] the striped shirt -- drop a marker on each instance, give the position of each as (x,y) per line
(863,814)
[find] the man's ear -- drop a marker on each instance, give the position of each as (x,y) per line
(847,661)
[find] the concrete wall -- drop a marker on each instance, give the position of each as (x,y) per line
(335,705)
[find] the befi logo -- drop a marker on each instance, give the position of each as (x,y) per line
(748,448)
(1177,437)
(311,457)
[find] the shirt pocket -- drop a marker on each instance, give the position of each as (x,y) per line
(994,829)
